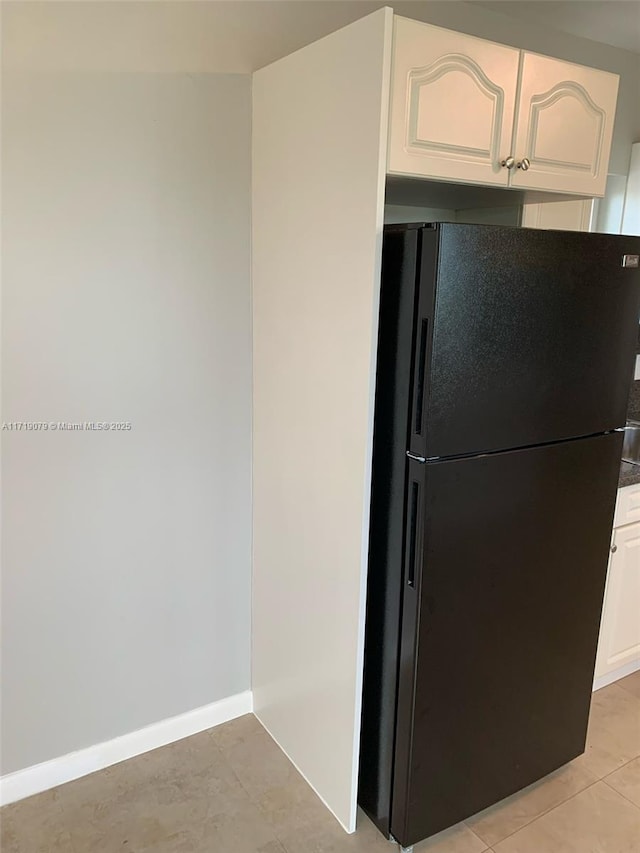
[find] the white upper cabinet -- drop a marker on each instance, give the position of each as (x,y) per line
(631,211)
(575,214)
(452,104)
(472,111)
(564,126)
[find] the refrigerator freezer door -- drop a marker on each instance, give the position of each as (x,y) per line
(500,625)
(533,337)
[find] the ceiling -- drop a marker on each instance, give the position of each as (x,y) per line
(614,22)
(215,36)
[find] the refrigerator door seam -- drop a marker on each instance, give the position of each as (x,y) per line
(481,453)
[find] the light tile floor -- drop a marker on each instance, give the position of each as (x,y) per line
(231,790)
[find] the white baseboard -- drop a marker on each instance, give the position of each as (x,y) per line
(66,768)
(609,677)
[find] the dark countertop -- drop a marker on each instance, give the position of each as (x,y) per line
(629,475)
(633,412)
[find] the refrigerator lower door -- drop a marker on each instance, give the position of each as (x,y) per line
(500,624)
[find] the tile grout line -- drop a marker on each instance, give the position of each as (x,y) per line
(542,814)
(481,840)
(635,758)
(624,796)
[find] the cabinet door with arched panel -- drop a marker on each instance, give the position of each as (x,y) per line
(452,105)
(564,126)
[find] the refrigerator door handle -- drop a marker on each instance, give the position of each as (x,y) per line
(421,361)
(416,524)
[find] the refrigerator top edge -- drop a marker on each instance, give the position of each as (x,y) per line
(438,224)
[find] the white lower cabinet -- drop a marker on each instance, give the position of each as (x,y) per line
(619,644)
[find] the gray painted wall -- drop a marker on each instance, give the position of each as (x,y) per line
(126,570)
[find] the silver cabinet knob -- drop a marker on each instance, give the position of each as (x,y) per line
(524,164)
(614,548)
(508,163)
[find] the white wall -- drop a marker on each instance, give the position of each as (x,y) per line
(126,570)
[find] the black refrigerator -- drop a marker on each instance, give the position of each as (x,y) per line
(505,357)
